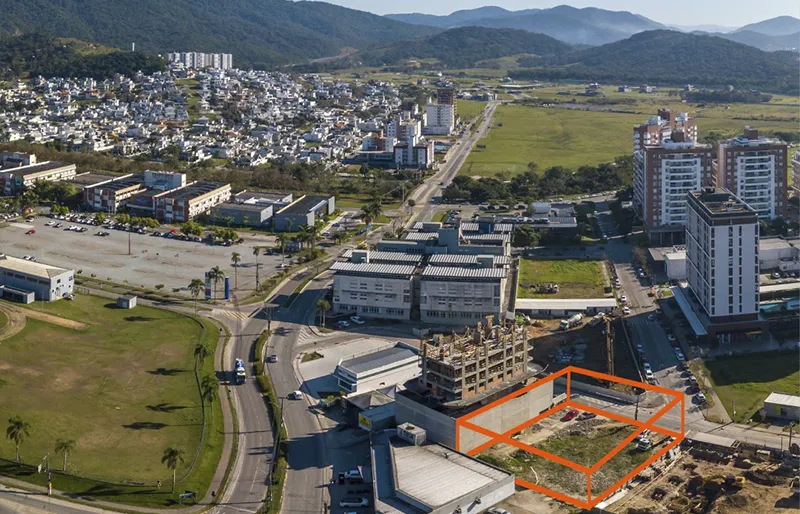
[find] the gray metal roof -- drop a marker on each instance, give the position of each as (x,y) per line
(435,475)
(34,269)
(379,359)
(453,272)
(465,259)
(787,400)
(387,257)
(373,268)
(497,228)
(421,236)
(486,237)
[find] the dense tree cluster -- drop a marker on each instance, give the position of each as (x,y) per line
(533,185)
(38,54)
(718,96)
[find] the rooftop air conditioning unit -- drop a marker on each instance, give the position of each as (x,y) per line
(411,434)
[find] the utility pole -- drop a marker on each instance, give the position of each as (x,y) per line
(636,414)
(129,243)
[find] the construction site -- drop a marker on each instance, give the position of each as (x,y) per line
(707,481)
(459,366)
(594,346)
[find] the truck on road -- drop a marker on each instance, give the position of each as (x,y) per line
(241,374)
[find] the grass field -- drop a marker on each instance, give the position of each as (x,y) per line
(124,389)
(575,278)
(748,379)
(3,319)
(573,138)
(468,109)
(358,201)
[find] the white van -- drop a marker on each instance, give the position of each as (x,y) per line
(295,395)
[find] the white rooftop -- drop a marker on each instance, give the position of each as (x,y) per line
(35,269)
(435,475)
(788,400)
(565,304)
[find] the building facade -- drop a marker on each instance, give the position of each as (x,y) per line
(200,60)
(373,370)
(21,177)
(48,283)
(754,168)
(450,294)
(663,175)
(441,119)
(109,196)
(796,173)
(184,204)
(373,290)
(304,211)
(722,265)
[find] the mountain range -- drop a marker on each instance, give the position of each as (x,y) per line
(257,32)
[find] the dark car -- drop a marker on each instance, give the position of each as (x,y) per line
(570,415)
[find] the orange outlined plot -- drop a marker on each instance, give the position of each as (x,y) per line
(591,500)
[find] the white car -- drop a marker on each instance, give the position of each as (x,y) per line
(623,299)
(679,355)
(643,435)
(646,367)
(356,320)
(295,395)
(343,324)
(626,310)
(648,374)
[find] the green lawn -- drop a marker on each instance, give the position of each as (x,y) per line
(468,109)
(572,138)
(748,379)
(3,319)
(358,201)
(124,389)
(575,278)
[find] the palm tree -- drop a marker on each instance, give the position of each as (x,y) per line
(216,275)
(256,252)
(310,234)
(172,457)
(65,447)
(210,392)
(236,258)
(201,352)
(281,240)
(18,430)
(366,215)
(322,307)
(196,287)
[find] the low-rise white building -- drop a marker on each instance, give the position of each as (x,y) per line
(47,282)
(450,294)
(441,119)
(373,290)
(373,370)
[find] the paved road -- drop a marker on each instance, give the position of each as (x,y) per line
(424,194)
(248,483)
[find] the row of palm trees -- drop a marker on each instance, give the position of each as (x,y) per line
(19,430)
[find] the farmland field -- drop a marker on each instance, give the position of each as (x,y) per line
(468,109)
(122,385)
(573,138)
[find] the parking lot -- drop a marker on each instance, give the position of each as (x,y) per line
(151,261)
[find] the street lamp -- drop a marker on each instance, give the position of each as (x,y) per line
(268,310)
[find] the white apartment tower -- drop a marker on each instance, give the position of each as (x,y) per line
(659,128)
(663,175)
(441,119)
(755,169)
(722,256)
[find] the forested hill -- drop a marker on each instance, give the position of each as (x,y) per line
(39,54)
(257,32)
(465,46)
(667,57)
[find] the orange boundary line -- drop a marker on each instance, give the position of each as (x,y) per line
(608,492)
(590,503)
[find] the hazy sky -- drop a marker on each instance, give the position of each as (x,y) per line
(734,13)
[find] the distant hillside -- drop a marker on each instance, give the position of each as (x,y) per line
(589,26)
(780,26)
(256,32)
(670,57)
(764,41)
(37,54)
(463,47)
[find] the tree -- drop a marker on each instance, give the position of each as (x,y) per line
(309,234)
(322,307)
(236,258)
(196,287)
(18,430)
(216,275)
(65,447)
(524,236)
(123,218)
(256,252)
(100,217)
(411,202)
(172,458)
(201,352)
(210,392)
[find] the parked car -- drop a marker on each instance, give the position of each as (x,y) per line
(648,374)
(623,299)
(570,415)
(701,398)
(586,415)
(626,310)
(645,433)
(354,502)
(356,320)
(272,358)
(343,324)
(30,232)
(295,395)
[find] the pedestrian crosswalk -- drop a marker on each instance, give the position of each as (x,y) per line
(231,314)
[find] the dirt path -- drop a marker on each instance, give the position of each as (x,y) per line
(55,320)
(16,321)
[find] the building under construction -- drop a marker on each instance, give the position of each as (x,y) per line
(457,367)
